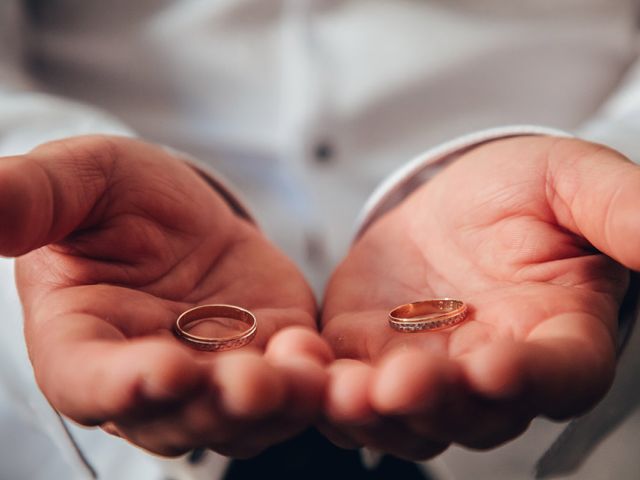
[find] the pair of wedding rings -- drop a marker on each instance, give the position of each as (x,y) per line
(426,315)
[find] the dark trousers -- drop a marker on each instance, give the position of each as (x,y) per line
(310,456)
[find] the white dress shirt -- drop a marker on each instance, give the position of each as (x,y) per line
(305,106)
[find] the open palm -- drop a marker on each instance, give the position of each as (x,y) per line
(117,238)
(515,228)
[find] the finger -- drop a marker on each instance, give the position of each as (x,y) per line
(347,397)
(412,382)
(496,372)
(46,194)
(299,342)
(491,425)
(294,306)
(462,416)
(94,381)
(468,421)
(563,368)
(250,394)
(595,192)
(242,450)
(351,414)
(76,183)
(428,394)
(414,449)
(302,356)
(338,436)
(199,422)
(248,387)
(306,381)
(157,437)
(391,436)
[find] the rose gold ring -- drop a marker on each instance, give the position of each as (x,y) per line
(436,314)
(193,316)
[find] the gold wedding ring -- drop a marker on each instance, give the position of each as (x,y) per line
(193,316)
(435,314)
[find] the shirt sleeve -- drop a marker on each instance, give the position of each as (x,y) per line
(28,118)
(569,450)
(616,123)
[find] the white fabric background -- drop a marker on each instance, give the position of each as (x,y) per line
(253,87)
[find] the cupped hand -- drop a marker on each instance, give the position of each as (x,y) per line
(536,235)
(115,238)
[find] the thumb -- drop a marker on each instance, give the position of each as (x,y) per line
(595,192)
(51,191)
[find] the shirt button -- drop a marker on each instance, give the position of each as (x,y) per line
(314,248)
(323,152)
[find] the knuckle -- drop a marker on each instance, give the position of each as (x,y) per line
(93,160)
(81,149)
(97,152)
